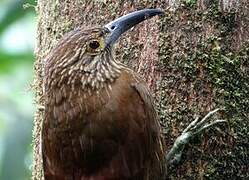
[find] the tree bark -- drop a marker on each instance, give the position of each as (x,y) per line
(195,59)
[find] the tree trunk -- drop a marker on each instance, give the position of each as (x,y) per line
(195,59)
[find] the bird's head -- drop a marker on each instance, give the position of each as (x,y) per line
(86,54)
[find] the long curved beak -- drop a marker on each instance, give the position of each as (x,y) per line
(120,25)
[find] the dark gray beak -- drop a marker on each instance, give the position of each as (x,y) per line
(124,23)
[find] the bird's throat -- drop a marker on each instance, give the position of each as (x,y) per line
(100,72)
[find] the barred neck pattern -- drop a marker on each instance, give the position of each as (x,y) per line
(101,70)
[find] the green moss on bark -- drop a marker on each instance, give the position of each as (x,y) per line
(203,68)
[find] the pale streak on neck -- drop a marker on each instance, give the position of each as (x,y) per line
(100,71)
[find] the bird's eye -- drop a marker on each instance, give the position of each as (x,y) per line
(94,44)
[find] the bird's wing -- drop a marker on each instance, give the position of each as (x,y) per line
(153,144)
(146,97)
(156,165)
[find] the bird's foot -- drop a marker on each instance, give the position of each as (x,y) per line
(195,127)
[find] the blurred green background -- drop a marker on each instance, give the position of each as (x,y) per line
(17,40)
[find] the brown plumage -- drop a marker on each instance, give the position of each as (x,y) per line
(100,122)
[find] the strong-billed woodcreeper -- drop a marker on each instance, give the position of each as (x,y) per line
(100,122)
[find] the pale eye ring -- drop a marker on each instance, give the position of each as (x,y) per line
(94,44)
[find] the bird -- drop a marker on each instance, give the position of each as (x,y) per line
(100,121)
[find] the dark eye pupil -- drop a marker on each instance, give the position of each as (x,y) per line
(94,44)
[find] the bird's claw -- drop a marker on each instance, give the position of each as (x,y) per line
(194,128)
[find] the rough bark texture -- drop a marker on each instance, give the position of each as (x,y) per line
(194,59)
